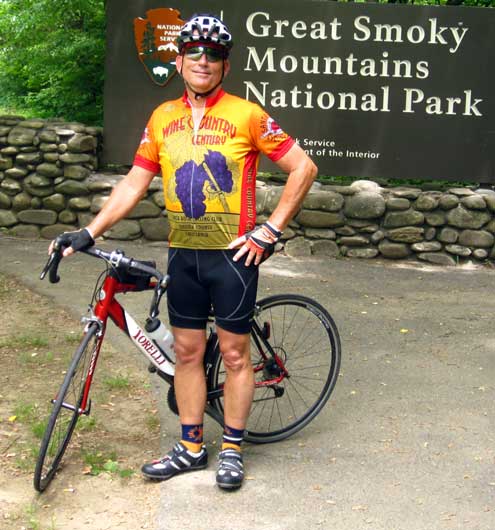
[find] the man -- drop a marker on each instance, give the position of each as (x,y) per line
(206,145)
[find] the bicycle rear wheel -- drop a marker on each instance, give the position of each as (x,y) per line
(295,352)
(66,411)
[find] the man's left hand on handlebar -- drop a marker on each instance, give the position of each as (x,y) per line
(71,242)
(258,244)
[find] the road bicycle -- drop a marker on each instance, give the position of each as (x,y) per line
(295,353)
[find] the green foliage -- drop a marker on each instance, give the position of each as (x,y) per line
(52,57)
(117,382)
(25,412)
(23,341)
(98,462)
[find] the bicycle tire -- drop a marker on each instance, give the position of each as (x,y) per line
(301,332)
(62,420)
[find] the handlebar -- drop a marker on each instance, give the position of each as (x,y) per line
(116,258)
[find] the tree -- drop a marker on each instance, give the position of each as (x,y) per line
(148,46)
(52,57)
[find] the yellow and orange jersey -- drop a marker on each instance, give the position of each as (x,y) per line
(209,172)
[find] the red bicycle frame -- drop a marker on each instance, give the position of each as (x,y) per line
(107,306)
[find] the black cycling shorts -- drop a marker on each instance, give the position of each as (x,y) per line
(201,280)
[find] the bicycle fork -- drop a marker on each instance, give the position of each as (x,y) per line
(84,407)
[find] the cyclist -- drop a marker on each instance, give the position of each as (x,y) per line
(206,145)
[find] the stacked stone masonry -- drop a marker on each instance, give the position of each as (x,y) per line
(49,184)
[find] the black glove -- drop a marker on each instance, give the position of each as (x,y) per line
(77,240)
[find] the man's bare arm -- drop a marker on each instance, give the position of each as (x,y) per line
(302,172)
(122,200)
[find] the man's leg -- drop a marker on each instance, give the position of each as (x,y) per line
(238,397)
(239,382)
(189,379)
(190,393)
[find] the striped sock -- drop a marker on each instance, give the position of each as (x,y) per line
(232,438)
(192,437)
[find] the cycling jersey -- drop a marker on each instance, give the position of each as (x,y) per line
(209,168)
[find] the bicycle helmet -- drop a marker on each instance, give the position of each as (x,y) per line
(203,28)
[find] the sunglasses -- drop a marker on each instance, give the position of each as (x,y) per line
(212,54)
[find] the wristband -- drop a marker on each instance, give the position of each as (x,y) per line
(273,229)
(90,232)
(270,232)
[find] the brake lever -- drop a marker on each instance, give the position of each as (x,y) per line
(52,267)
(53,262)
(159,291)
(47,266)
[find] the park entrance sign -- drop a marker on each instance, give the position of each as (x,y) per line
(368,90)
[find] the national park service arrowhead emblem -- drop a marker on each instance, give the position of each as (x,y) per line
(156,45)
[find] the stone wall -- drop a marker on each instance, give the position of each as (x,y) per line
(365,221)
(49,184)
(44,167)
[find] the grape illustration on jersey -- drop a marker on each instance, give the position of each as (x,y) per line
(195,183)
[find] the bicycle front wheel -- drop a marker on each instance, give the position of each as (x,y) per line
(66,410)
(295,353)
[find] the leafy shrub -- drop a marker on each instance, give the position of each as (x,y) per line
(52,57)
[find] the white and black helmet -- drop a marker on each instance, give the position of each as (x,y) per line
(203,28)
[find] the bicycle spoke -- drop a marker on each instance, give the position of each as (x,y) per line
(291,405)
(312,367)
(277,404)
(309,348)
(262,409)
(302,337)
(293,382)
